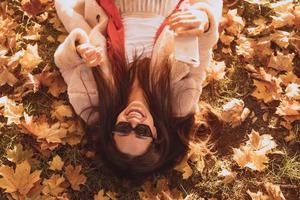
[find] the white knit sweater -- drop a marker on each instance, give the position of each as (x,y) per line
(86,21)
(159,7)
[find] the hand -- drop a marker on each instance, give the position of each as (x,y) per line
(189,22)
(93,56)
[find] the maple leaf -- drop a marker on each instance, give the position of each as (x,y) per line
(43,131)
(235,23)
(226,39)
(274,191)
(60,111)
(260,27)
(246,47)
(184,168)
(257,196)
(253,154)
(100,196)
(6,77)
(33,32)
(281,38)
(282,19)
(289,78)
(19,181)
(263,49)
(56,163)
(74,177)
(296,13)
(18,155)
(289,109)
(32,7)
(228,176)
(30,59)
(53,185)
(282,62)
(234,112)
(161,191)
(216,71)
(282,6)
(12,111)
(75,132)
(292,91)
(267,91)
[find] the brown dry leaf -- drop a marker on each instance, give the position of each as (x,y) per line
(53,185)
(260,27)
(263,49)
(18,154)
(234,112)
(75,132)
(288,78)
(289,109)
(161,191)
(257,196)
(43,131)
(292,91)
(60,111)
(6,77)
(282,62)
(228,176)
(56,23)
(235,23)
(12,111)
(30,59)
(57,163)
(20,181)
(226,39)
(32,7)
(246,47)
(216,71)
(74,177)
(282,6)
(281,38)
(297,16)
(267,91)
(101,196)
(253,153)
(184,168)
(33,32)
(282,19)
(274,191)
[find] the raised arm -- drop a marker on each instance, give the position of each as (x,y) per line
(70,12)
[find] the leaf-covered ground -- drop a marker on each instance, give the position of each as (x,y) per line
(253,85)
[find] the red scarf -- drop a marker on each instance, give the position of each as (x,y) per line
(115,28)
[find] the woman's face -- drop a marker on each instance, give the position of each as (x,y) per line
(132,143)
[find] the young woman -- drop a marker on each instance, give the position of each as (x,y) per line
(123,76)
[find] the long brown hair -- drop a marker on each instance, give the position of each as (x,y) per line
(169,148)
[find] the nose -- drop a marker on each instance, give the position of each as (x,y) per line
(133,121)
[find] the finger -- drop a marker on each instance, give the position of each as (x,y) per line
(180,13)
(90,52)
(191,32)
(182,18)
(94,62)
(185,24)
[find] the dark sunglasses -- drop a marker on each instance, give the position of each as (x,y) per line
(141,130)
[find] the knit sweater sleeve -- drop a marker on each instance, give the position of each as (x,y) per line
(186,79)
(66,57)
(70,16)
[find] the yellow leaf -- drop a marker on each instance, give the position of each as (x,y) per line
(282,62)
(184,168)
(18,155)
(12,111)
(7,78)
(74,177)
(20,181)
(30,59)
(60,111)
(101,196)
(267,91)
(257,196)
(56,163)
(52,186)
(274,191)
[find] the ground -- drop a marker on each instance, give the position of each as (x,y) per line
(253,86)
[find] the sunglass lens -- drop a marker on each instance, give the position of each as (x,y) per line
(123,127)
(143,130)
